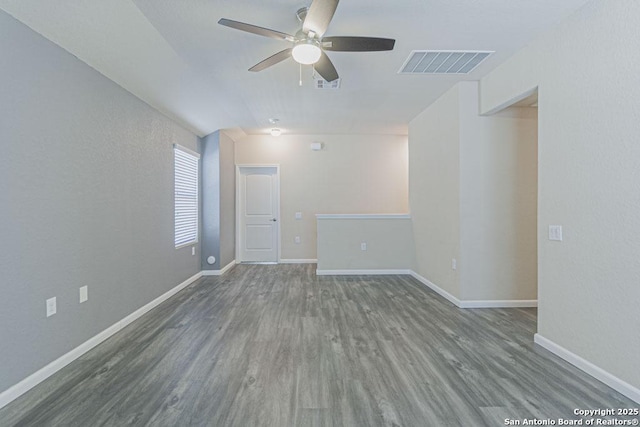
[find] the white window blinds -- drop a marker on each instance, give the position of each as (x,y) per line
(186,196)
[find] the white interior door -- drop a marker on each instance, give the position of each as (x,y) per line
(258,213)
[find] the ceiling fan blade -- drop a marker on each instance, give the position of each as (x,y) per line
(272,60)
(357,44)
(265,32)
(325,68)
(319,16)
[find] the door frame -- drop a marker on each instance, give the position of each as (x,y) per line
(238,213)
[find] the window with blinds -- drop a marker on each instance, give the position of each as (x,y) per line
(186,196)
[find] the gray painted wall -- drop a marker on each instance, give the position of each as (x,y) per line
(210,191)
(218,200)
(227,200)
(86,198)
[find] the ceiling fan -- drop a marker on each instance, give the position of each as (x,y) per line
(309,45)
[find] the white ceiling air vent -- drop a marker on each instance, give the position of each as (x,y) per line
(443,62)
(323,84)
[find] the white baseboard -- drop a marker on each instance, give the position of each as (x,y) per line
(228,267)
(36,378)
(437,289)
(474,303)
(515,303)
(219,272)
(360,272)
(298,261)
(598,373)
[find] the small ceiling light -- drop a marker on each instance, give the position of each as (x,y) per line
(276,132)
(306,52)
(274,121)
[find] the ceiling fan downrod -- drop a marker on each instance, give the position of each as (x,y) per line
(302,13)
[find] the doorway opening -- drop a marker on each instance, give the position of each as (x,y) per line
(520,159)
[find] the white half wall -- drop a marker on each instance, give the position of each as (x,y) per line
(388,240)
(589,180)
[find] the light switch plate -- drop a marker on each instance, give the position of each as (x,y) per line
(51,307)
(84,294)
(555,232)
(454,264)
(297,239)
(298,215)
(363,246)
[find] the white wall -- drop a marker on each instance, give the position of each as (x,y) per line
(473,198)
(589,180)
(389,243)
(434,190)
(352,174)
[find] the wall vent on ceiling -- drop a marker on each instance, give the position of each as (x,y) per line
(443,62)
(323,84)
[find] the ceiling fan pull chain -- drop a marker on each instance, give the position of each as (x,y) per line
(301,75)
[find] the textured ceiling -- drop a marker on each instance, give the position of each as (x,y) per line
(174,55)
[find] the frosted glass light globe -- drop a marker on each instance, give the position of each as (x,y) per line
(306,53)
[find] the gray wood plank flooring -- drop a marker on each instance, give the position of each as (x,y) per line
(275,345)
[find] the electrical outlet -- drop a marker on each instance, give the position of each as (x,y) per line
(84,294)
(363,246)
(298,215)
(454,264)
(193,250)
(51,307)
(297,239)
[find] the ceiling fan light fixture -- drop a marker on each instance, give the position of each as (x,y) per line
(276,132)
(309,43)
(306,52)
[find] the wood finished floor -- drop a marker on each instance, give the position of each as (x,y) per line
(275,345)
